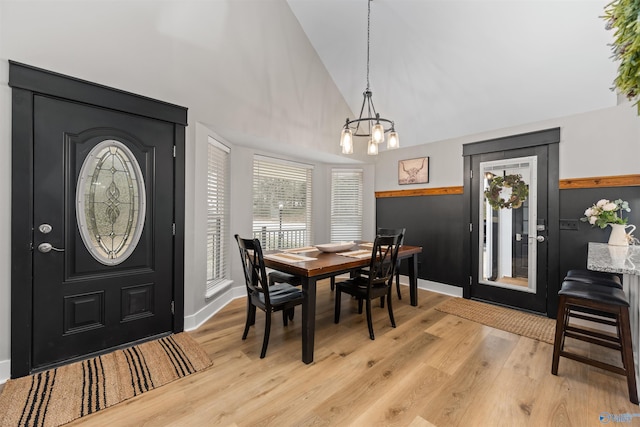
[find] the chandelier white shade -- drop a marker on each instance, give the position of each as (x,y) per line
(372,148)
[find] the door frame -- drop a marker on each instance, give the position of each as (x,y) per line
(27,81)
(550,138)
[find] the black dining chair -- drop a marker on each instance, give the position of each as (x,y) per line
(377,283)
(278,297)
(388,232)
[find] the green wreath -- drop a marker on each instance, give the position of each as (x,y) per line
(519,192)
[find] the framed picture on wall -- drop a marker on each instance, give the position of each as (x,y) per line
(413,171)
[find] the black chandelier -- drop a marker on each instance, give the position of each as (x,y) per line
(372,125)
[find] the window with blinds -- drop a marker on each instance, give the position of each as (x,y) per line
(281,203)
(346,204)
(217,215)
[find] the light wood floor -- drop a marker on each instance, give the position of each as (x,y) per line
(434,369)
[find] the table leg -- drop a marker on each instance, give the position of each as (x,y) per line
(413,279)
(308,318)
(631,284)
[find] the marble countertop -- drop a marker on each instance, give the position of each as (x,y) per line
(614,259)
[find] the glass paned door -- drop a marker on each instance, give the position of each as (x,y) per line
(509,213)
(508,217)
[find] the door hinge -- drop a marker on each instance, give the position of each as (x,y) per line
(470,227)
(173,228)
(470,280)
(174,151)
(173,307)
(469,171)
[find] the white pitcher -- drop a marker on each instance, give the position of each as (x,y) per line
(619,234)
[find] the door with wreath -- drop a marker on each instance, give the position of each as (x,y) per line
(509,211)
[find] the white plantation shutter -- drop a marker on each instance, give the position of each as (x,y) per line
(346,204)
(217,215)
(281,203)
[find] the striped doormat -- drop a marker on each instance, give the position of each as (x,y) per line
(534,326)
(60,395)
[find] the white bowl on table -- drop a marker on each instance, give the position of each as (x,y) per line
(335,247)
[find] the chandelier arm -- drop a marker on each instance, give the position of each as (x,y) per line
(364,101)
(358,132)
(373,107)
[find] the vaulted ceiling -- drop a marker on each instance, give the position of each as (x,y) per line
(449,68)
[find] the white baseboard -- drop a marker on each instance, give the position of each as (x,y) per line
(5,370)
(438,287)
(205,313)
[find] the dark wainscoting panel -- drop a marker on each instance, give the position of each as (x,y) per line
(436,223)
(573,202)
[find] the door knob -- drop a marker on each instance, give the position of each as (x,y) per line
(540,238)
(47,247)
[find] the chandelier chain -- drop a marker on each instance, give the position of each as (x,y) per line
(368,38)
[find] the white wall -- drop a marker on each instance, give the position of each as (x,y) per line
(598,143)
(243,68)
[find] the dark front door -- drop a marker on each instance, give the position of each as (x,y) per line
(102,229)
(509,214)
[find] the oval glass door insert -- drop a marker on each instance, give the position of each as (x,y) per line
(110,202)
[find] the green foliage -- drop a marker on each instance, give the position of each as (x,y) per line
(605,212)
(622,16)
(519,192)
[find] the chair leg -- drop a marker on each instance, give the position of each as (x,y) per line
(285,317)
(336,314)
(627,354)
(393,321)
(360,305)
(333,282)
(267,332)
(558,342)
(397,289)
(292,311)
(251,315)
(369,322)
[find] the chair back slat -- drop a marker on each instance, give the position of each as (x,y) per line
(383,259)
(255,273)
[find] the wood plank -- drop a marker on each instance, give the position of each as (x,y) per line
(402,378)
(600,181)
(438,191)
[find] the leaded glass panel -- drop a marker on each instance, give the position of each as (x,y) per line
(110,202)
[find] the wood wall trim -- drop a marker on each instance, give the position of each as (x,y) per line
(600,181)
(439,191)
(564,184)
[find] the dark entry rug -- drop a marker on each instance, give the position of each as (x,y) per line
(518,322)
(60,395)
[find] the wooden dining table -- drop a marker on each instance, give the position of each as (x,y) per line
(325,265)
